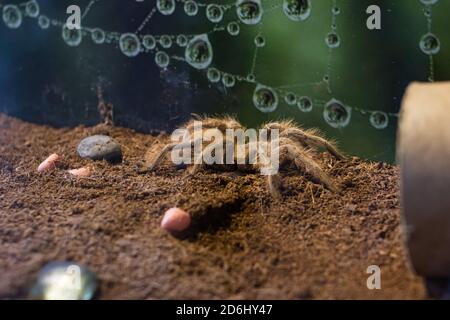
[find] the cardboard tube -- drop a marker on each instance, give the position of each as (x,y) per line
(423,153)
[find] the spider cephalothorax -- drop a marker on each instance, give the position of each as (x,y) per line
(294,147)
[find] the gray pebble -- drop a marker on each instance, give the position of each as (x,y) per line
(100,147)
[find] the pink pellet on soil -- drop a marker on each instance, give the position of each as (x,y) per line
(176,220)
(50,163)
(81,172)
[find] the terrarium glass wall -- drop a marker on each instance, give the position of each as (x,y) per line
(157,62)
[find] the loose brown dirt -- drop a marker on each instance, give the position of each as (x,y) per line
(313,244)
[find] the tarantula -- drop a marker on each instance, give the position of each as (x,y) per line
(295,147)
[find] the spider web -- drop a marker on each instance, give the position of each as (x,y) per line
(320,92)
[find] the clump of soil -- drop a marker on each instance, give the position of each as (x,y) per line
(314,244)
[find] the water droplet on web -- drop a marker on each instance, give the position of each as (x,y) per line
(199,52)
(12,16)
(265,99)
(249,11)
(332,40)
(336,114)
(72,37)
(214,13)
(190,8)
(165,7)
(233,28)
(165,41)
(260,41)
(305,104)
(43,22)
(297,10)
(182,40)
(98,36)
(427,12)
(379,120)
(32,9)
(213,75)
(335,10)
(430,44)
(228,80)
(149,42)
(162,59)
(251,77)
(290,98)
(429,2)
(129,44)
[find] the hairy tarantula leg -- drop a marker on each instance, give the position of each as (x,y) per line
(313,139)
(168,148)
(302,160)
(274,183)
(273,180)
(197,163)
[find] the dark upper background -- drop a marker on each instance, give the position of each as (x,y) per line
(43,80)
